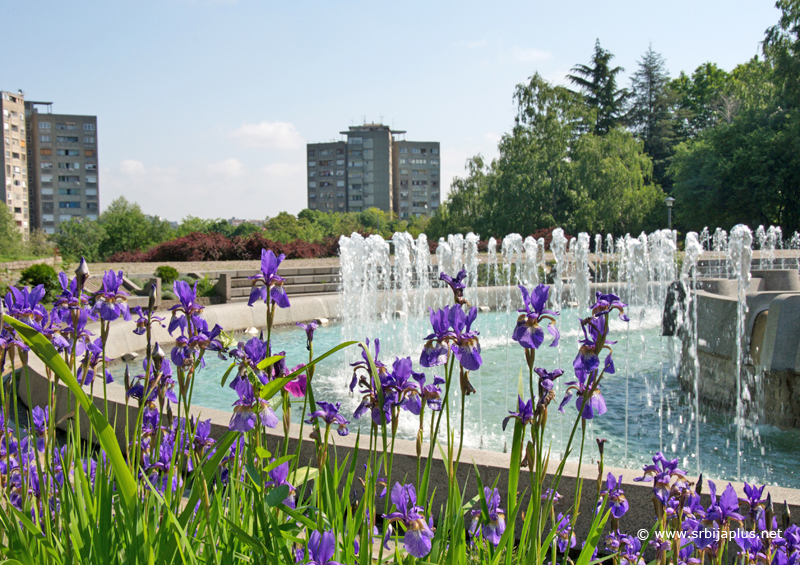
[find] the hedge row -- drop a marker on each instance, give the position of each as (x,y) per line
(199,246)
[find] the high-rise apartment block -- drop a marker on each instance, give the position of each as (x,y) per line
(15,160)
(373,166)
(62,166)
(50,167)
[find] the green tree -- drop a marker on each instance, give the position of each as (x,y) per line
(598,83)
(782,49)
(127,228)
(651,116)
(78,238)
(699,98)
(10,238)
(609,178)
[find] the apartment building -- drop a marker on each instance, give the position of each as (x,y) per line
(62,166)
(14,160)
(374,166)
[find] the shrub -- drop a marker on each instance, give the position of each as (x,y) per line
(168,274)
(167,294)
(205,287)
(41,274)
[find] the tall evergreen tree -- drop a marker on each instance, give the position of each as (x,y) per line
(650,116)
(598,84)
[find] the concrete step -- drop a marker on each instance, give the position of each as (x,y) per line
(291,289)
(306,279)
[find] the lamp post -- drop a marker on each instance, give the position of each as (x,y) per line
(669,201)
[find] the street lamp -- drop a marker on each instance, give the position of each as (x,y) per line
(669,201)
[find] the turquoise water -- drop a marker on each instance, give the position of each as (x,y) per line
(659,414)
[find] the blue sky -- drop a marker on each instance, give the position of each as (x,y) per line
(204,106)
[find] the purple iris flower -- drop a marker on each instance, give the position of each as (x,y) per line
(159,385)
(431,394)
(278,477)
(24,305)
(321,548)
(297,386)
(141,321)
(616,496)
(110,301)
(546,378)
(92,358)
(272,282)
(418,536)
(604,303)
(630,551)
(525,414)
(726,508)
(434,352)
(406,391)
(309,329)
(753,500)
(9,341)
(364,365)
(249,409)
(594,334)
(188,307)
(456,285)
(248,355)
(583,387)
(330,414)
(466,348)
(528,332)
(69,297)
(40,418)
(661,472)
(494,528)
(566,537)
(75,331)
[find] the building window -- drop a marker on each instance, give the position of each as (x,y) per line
(355,198)
(91,192)
(91,179)
(91,205)
(44,138)
(88,140)
(69,178)
(434,172)
(340,151)
(68,152)
(355,187)
(327,163)
(312,195)
(44,125)
(69,204)
(339,183)
(340,173)
(434,150)
(434,161)
(325,184)
(311,152)
(324,152)
(89,153)
(403,171)
(403,183)
(69,191)
(47,178)
(312,184)
(90,166)
(340,162)
(354,152)
(356,163)
(312,173)
(404,150)
(88,127)
(402,161)
(47,165)
(312,163)
(66,139)
(416,150)
(45,151)
(355,141)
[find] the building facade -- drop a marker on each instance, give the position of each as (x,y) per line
(62,166)
(372,166)
(15,160)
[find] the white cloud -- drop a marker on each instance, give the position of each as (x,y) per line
(132,168)
(269,135)
(229,167)
(522,54)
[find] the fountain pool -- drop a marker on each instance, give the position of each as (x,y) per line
(658,415)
